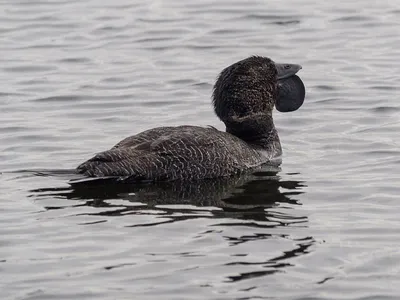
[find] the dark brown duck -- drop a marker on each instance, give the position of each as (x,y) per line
(244,96)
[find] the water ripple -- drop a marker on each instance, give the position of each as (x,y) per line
(77,77)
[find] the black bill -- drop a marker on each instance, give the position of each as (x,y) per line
(291,90)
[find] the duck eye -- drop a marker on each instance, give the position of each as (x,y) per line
(287,67)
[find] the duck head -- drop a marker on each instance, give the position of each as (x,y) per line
(254,85)
(246,92)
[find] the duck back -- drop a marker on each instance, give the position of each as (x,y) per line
(171,153)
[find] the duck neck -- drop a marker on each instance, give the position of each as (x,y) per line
(257,130)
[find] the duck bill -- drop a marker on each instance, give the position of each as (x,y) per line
(291,90)
(286,70)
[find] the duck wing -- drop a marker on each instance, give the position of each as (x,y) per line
(170,153)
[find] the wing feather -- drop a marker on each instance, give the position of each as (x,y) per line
(169,153)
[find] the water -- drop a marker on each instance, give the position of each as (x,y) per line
(78,76)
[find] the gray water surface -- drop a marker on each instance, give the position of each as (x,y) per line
(78,76)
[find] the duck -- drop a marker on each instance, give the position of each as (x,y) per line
(244,96)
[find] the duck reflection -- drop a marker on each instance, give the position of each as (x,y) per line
(275,264)
(262,201)
(244,197)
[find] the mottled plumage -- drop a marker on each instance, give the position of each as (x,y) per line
(244,96)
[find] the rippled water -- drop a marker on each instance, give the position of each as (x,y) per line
(78,76)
